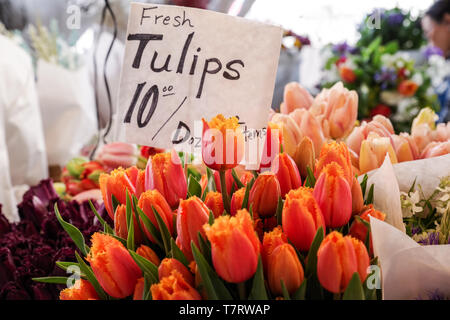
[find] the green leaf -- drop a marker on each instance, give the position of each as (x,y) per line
(205,247)
(279,213)
(65,265)
(215,288)
(369,199)
(75,167)
(354,289)
(147,294)
(194,187)
(300,294)
(56,280)
(311,265)
(236,179)
(146,266)
(84,268)
(150,227)
(284,290)
(258,290)
(115,203)
(364,184)
(247,193)
(106,227)
(73,232)
(310,179)
(176,253)
(211,218)
(211,181)
(121,240)
(192,172)
(165,234)
(130,224)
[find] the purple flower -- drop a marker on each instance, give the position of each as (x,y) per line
(395,19)
(343,48)
(386,76)
(431,239)
(432,50)
(434,295)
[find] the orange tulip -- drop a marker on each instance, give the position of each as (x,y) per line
(347,74)
(149,254)
(271,240)
(284,265)
(192,215)
(246,177)
(373,152)
(334,196)
(301,217)
(222,143)
(357,197)
(153,198)
(229,181)
(139,289)
(113,266)
(286,172)
(272,145)
(407,88)
(120,224)
(235,246)
(214,202)
(115,183)
(165,173)
(338,258)
(169,264)
(81,290)
(140,183)
(295,96)
(305,156)
(198,279)
(264,194)
(359,230)
(174,287)
(236,201)
(339,153)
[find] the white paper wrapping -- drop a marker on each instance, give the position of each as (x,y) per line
(67,104)
(409,271)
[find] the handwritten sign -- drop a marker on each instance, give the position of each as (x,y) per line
(184,64)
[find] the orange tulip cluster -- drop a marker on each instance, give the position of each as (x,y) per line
(272,222)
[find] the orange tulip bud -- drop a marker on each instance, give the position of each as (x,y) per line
(335,152)
(236,201)
(283,264)
(214,202)
(286,172)
(149,254)
(192,215)
(305,156)
(264,194)
(246,177)
(334,196)
(139,289)
(169,264)
(373,151)
(140,183)
(301,217)
(357,197)
(174,287)
(271,241)
(338,258)
(222,143)
(165,173)
(120,224)
(153,198)
(359,230)
(116,183)
(81,290)
(113,266)
(235,246)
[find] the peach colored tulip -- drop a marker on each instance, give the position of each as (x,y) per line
(236,201)
(214,202)
(338,258)
(373,152)
(192,215)
(113,266)
(222,143)
(405,147)
(165,174)
(435,149)
(336,108)
(264,194)
(334,196)
(283,265)
(442,132)
(147,253)
(290,132)
(174,287)
(295,97)
(271,240)
(305,156)
(339,153)
(116,183)
(153,198)
(309,126)
(301,218)
(235,246)
(286,172)
(357,197)
(81,290)
(169,264)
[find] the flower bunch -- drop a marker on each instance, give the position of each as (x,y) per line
(180,235)
(81,175)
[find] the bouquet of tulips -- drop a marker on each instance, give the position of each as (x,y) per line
(229,233)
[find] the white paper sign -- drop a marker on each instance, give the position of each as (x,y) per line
(184,64)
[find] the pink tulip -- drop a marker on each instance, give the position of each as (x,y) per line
(117,154)
(373,152)
(309,126)
(435,149)
(290,132)
(295,97)
(405,147)
(336,108)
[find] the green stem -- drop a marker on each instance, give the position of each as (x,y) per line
(223,186)
(241,290)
